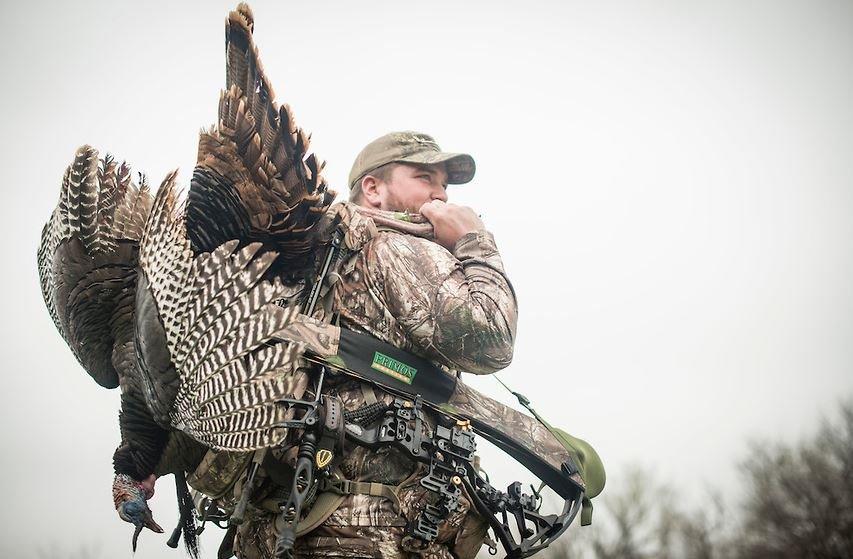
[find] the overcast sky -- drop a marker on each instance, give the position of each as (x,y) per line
(670,185)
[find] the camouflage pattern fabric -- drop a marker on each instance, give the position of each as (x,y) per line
(468,402)
(258,536)
(458,310)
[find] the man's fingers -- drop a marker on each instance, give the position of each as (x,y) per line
(431,208)
(450,222)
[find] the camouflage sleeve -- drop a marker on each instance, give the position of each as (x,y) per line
(459,308)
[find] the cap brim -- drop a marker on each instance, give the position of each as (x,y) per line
(460,166)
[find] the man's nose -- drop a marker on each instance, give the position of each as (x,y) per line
(440,193)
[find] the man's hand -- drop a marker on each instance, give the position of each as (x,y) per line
(451,222)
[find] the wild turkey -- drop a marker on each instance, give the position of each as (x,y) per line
(173,298)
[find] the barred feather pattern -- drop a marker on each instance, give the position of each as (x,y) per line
(220,320)
(233,367)
(134,200)
(87,258)
(261,151)
(44,261)
(166,258)
(106,204)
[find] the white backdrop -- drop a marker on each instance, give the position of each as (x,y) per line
(669,183)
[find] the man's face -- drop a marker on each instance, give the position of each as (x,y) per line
(411,186)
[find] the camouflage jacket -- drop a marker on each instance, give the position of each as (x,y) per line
(456,308)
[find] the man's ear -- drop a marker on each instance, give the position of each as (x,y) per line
(370,192)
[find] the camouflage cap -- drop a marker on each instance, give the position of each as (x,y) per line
(410,147)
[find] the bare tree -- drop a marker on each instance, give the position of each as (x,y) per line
(643,521)
(799,500)
(798,504)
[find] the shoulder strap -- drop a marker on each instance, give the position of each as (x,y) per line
(323,507)
(331,493)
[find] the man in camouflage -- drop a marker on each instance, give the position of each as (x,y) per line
(436,289)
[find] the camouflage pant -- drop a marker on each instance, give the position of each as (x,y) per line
(257,536)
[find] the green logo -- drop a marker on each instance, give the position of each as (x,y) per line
(393,368)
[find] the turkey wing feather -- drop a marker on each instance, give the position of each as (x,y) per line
(221,324)
(87,259)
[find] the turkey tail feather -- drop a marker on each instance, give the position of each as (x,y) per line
(262,158)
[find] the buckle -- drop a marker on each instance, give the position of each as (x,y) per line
(336,485)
